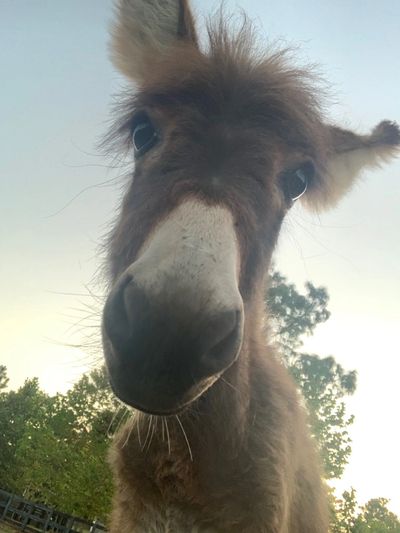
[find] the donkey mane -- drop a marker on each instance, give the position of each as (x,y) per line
(226,139)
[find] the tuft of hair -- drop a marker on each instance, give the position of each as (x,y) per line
(234,65)
(386,133)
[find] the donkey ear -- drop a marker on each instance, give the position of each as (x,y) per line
(349,155)
(146,29)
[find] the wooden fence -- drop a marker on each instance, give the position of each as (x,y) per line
(25,515)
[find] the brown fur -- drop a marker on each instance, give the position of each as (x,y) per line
(250,465)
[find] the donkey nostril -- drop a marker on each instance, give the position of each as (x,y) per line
(115,317)
(223,340)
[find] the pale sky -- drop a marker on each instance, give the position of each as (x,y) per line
(57,199)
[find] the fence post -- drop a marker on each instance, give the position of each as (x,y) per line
(7,506)
(48,518)
(71,524)
(27,514)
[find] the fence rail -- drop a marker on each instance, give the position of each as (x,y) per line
(25,515)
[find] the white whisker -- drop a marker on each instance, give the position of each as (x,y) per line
(129,433)
(124,417)
(230,385)
(148,431)
(186,438)
(163,428)
(153,430)
(168,439)
(138,428)
(114,417)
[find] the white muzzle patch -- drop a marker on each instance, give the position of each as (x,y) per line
(193,252)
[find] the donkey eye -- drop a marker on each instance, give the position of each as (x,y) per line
(297,180)
(144,135)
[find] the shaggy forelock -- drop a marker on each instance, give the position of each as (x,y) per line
(235,80)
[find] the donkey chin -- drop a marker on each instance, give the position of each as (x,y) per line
(173,322)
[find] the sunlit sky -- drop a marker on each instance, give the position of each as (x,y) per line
(57,198)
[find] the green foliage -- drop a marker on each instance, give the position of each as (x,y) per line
(54,449)
(323,382)
(295,314)
(21,412)
(344,512)
(373,517)
(3,378)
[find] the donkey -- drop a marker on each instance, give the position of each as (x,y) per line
(225,140)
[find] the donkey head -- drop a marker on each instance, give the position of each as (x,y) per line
(225,140)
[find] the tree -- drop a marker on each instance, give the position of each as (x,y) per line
(373,517)
(54,449)
(3,378)
(91,403)
(21,412)
(344,512)
(323,382)
(294,314)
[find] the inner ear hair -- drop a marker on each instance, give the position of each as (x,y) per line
(348,156)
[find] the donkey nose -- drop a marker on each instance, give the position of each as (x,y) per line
(118,315)
(150,335)
(222,338)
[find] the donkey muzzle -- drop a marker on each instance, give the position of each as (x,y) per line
(161,357)
(173,323)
